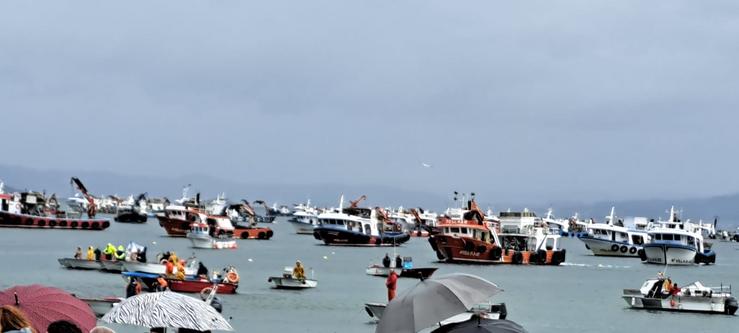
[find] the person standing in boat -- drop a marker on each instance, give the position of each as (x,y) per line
(202,271)
(391,283)
(398,261)
(386,261)
(162,284)
(90,253)
(299,271)
(133,288)
(78,253)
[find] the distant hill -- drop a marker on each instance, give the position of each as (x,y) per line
(104,183)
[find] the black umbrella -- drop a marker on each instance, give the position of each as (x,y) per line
(476,325)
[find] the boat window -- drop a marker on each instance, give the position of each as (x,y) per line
(677,237)
(667,237)
(454,230)
(690,240)
(463,230)
(367,229)
(658,237)
(637,240)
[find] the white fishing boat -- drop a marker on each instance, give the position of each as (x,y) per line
(304,218)
(201,238)
(191,267)
(614,238)
(556,226)
(288,281)
(675,242)
(694,297)
(73,263)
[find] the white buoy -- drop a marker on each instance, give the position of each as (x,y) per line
(250,260)
(325,257)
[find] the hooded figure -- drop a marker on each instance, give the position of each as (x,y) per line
(109,251)
(90,253)
(298,271)
(391,284)
(120,253)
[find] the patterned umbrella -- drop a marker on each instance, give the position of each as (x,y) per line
(44,305)
(169,310)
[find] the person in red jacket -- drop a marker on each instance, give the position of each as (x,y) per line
(391,283)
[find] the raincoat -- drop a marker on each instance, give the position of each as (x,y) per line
(180,271)
(298,271)
(120,254)
(391,283)
(90,253)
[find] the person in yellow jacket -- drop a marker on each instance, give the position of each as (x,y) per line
(299,271)
(90,253)
(180,271)
(109,251)
(120,253)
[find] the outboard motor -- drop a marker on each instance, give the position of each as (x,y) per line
(730,306)
(216,304)
(500,309)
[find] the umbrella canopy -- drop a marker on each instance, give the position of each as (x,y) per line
(44,305)
(167,309)
(433,300)
(476,325)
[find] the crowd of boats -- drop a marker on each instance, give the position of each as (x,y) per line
(463,233)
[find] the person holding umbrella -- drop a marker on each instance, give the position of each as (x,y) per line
(391,283)
(13,320)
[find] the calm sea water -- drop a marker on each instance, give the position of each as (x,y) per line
(582,295)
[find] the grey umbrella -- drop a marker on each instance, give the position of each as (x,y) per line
(167,309)
(477,325)
(433,300)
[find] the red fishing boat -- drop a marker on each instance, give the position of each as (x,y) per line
(32,210)
(200,286)
(467,237)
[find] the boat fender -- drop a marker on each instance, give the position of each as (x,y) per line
(632,250)
(163,261)
(533,258)
(260,235)
(73,224)
(52,223)
(496,253)
(624,248)
(468,245)
(63,224)
(85,225)
(541,257)
(41,223)
(614,247)
(558,257)
(642,255)
(517,258)
(270,234)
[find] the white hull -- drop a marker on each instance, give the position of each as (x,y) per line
(212,243)
(669,254)
(302,228)
(378,270)
(153,268)
(290,283)
(112,266)
(80,263)
(601,247)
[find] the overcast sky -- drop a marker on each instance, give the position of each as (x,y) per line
(522,100)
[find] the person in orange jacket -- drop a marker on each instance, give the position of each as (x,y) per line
(391,283)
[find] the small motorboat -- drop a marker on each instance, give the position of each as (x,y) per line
(201,238)
(189,285)
(694,297)
(101,306)
(288,281)
(73,263)
(406,270)
(485,311)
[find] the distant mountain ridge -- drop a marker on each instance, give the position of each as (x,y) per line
(105,183)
